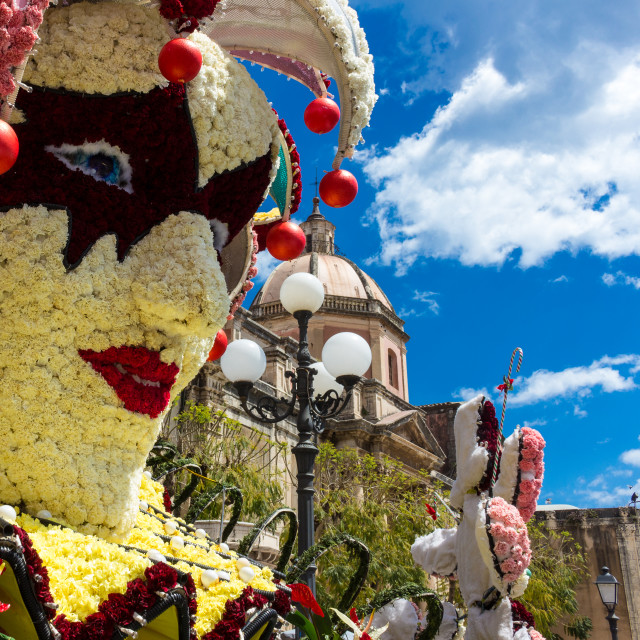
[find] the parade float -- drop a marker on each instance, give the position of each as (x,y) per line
(137,151)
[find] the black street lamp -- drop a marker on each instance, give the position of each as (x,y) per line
(608,589)
(322,390)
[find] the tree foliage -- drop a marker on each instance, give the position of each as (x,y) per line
(558,565)
(231,454)
(379,502)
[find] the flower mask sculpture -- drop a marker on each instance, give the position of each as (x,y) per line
(125,230)
(489,550)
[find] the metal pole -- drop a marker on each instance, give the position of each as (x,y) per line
(613,623)
(305,452)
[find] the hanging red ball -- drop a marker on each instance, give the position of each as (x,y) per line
(286,241)
(180,60)
(219,346)
(338,188)
(8,147)
(321,115)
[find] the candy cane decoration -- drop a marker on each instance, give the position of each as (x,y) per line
(506,386)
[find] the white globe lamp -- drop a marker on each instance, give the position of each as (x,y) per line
(346,354)
(301,292)
(323,381)
(243,361)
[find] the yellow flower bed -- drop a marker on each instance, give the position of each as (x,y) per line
(84,570)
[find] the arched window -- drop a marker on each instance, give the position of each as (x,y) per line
(392,368)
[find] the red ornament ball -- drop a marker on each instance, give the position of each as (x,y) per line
(8,147)
(338,188)
(180,60)
(285,241)
(219,346)
(321,115)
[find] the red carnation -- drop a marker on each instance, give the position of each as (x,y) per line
(98,627)
(199,8)
(161,577)
(69,630)
(302,594)
(171,9)
(117,609)
(282,603)
(138,597)
(431,511)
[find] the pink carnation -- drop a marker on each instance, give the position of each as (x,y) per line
(498,530)
(17,20)
(33,17)
(535,635)
(6,14)
(14,56)
(24,37)
(501,549)
(7,83)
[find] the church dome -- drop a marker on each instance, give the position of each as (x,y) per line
(340,276)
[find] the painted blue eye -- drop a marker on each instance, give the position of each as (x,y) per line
(100,160)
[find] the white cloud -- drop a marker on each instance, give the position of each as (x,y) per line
(538,422)
(600,493)
(519,165)
(620,278)
(578,412)
(467,393)
(266,264)
(631,457)
(576,382)
(562,278)
(427,298)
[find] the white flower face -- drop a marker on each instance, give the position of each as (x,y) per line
(93,349)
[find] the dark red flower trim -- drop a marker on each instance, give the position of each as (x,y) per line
(35,567)
(296,187)
(234,617)
(187,12)
(488,434)
(282,603)
(521,615)
(119,608)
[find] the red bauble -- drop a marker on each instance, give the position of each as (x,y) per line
(338,188)
(219,346)
(285,241)
(180,60)
(8,147)
(321,115)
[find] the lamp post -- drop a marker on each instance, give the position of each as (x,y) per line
(608,589)
(322,390)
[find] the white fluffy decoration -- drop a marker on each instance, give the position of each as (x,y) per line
(520,585)
(401,617)
(471,459)
(473,574)
(449,625)
(494,624)
(506,484)
(436,552)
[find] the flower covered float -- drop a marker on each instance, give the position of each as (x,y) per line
(497,489)
(125,233)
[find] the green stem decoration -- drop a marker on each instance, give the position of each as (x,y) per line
(280,514)
(206,498)
(355,546)
(410,592)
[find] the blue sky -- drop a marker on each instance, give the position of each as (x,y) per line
(499,207)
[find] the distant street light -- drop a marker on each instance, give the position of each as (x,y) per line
(608,589)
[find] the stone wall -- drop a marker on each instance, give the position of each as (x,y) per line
(609,537)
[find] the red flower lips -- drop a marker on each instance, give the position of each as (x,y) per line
(137,375)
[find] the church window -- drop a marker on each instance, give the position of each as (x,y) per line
(393,369)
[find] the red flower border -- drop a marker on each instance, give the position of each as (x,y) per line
(118,609)
(488,434)
(234,617)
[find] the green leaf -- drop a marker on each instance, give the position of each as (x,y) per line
(303,623)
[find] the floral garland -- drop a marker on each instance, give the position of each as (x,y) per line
(531,472)
(186,13)
(503,541)
(234,617)
(296,187)
(251,273)
(521,616)
(17,36)
(488,434)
